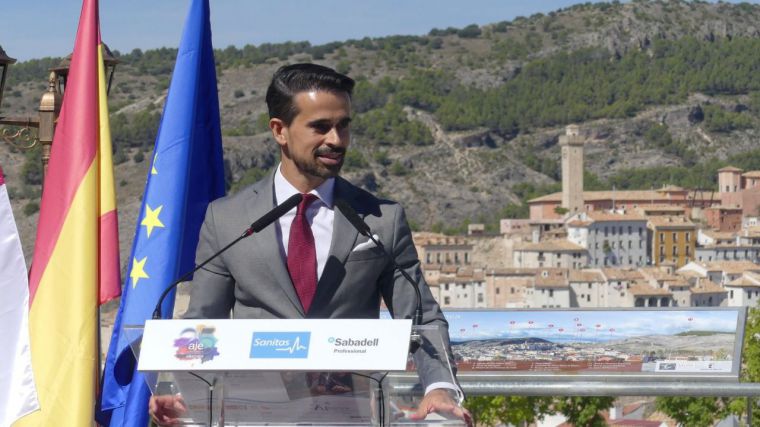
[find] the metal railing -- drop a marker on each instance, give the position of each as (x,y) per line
(543,384)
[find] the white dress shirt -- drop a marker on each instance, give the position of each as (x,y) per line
(320,215)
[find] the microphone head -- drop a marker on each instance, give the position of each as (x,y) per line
(353,217)
(276,213)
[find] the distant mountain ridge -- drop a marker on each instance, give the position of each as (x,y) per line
(461,123)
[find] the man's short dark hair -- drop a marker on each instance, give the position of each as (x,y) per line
(293,79)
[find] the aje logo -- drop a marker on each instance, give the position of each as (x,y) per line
(280,345)
(198,343)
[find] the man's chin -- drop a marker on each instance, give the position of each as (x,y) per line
(324,171)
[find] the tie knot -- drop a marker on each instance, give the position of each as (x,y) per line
(307,200)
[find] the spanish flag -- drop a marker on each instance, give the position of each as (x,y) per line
(76,256)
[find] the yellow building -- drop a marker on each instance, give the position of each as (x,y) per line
(673,240)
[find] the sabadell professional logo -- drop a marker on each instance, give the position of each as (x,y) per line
(352,345)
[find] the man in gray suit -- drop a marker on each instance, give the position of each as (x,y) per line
(312,263)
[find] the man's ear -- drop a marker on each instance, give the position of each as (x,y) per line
(279,131)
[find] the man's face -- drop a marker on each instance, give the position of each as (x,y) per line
(314,144)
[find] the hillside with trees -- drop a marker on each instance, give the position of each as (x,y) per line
(461,125)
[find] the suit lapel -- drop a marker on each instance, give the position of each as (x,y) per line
(267,241)
(344,237)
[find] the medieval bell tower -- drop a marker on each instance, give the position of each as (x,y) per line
(572,169)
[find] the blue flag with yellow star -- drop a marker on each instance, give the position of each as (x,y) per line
(186,174)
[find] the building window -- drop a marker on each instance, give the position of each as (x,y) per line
(446,300)
(480,297)
(466,258)
(551,293)
(498,291)
(662,237)
(688,251)
(588,298)
(511,290)
(688,236)
(630,229)
(630,244)
(589,285)
(675,250)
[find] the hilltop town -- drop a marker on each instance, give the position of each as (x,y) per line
(666,247)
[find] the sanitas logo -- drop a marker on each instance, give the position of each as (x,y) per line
(352,345)
(280,345)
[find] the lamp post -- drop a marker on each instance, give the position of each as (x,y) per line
(5,61)
(50,107)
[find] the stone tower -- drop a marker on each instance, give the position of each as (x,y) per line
(572,169)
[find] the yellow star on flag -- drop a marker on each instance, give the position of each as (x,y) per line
(151,219)
(153,170)
(138,271)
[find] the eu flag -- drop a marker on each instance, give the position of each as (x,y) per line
(186,174)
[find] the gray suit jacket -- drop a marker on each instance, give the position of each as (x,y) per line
(251,279)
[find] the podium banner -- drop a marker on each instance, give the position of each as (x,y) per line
(287,344)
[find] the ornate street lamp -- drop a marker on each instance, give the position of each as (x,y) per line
(50,106)
(5,61)
(62,69)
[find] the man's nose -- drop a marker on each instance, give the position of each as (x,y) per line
(334,137)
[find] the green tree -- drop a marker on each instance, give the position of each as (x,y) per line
(693,411)
(398,169)
(584,411)
(355,160)
(751,357)
(515,410)
(31,208)
(31,171)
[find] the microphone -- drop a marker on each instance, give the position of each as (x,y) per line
(363,229)
(256,227)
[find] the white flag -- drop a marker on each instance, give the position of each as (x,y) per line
(18,395)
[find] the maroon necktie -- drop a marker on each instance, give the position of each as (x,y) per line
(302,254)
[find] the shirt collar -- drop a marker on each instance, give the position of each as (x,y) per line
(284,189)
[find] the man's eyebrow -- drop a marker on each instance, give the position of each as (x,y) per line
(328,122)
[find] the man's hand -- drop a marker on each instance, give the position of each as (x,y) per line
(165,410)
(440,401)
